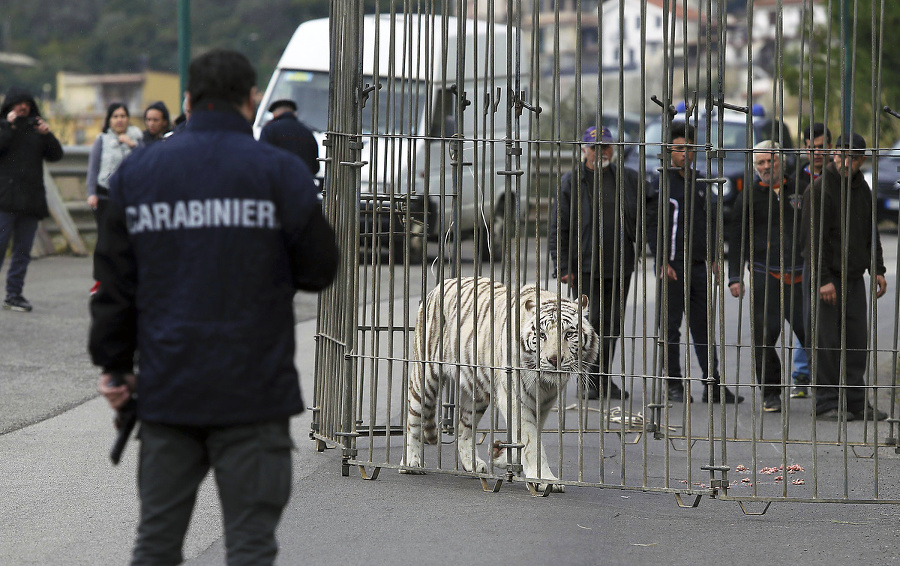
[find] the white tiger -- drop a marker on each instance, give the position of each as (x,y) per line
(453,332)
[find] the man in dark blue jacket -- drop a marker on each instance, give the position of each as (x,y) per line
(763,231)
(284,130)
(591,236)
(208,237)
(682,264)
(839,243)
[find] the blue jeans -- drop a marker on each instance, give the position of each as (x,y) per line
(21,229)
(801,363)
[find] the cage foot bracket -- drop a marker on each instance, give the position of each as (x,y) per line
(747,511)
(369,476)
(680,501)
(490,487)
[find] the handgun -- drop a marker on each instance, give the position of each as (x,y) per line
(126,418)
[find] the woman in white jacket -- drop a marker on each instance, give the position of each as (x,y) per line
(111,148)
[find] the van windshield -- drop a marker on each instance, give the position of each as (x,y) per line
(398,112)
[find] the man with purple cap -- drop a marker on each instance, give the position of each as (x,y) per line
(595,213)
(837,245)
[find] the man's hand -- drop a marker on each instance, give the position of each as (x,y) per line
(42,127)
(568,279)
(828,294)
(11,117)
(737,289)
(881,283)
(116,396)
(668,272)
(92,201)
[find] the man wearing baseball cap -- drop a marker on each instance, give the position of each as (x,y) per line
(284,130)
(838,237)
(595,211)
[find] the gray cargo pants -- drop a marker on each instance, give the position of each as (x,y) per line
(252,468)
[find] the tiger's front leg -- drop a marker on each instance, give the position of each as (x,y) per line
(529,437)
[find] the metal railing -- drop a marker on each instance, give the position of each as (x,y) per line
(477,120)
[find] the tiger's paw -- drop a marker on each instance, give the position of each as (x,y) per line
(412,472)
(539,488)
(479,467)
(413,461)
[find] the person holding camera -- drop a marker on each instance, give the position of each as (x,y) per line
(25,142)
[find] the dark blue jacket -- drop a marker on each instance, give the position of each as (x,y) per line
(573,205)
(686,218)
(206,239)
(287,132)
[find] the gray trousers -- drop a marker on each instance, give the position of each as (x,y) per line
(252,468)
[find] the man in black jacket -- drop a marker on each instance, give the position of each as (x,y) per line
(208,236)
(596,215)
(284,130)
(837,242)
(681,200)
(25,142)
(763,229)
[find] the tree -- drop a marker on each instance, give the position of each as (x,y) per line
(874,71)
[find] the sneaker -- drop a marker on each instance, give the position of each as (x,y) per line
(869,414)
(772,403)
(16,303)
(730,398)
(834,415)
(800,390)
(676,394)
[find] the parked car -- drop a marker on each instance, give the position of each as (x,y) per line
(887,193)
(737,163)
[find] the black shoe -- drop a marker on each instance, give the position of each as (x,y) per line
(834,415)
(772,403)
(616,393)
(16,303)
(868,414)
(730,398)
(676,394)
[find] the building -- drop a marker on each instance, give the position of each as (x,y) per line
(81,100)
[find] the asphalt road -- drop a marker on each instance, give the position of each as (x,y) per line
(61,502)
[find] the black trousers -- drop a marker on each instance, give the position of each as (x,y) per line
(825,346)
(768,321)
(252,467)
(606,297)
(672,315)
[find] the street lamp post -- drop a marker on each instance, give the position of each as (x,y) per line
(184,43)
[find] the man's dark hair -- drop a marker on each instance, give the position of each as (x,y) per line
(221,75)
(813,131)
(681,130)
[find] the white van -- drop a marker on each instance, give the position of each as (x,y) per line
(410,129)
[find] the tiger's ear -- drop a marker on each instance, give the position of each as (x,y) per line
(529,305)
(584,301)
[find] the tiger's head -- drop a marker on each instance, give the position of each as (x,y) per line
(560,332)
